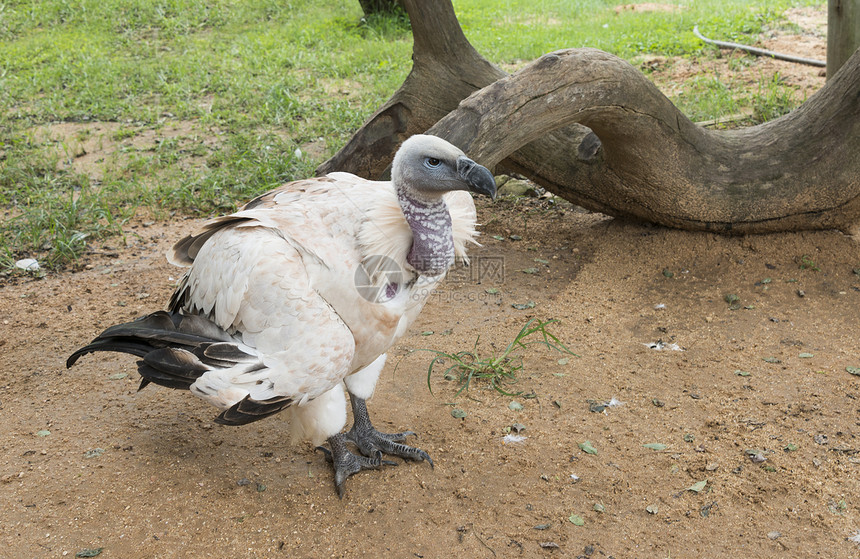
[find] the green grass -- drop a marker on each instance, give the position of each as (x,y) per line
(523,30)
(252,81)
(497,370)
(709,97)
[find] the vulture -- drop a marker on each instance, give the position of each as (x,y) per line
(303,290)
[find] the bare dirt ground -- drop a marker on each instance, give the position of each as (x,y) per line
(757,403)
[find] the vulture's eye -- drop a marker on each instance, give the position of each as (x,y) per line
(432,162)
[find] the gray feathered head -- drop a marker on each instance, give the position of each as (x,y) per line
(430,167)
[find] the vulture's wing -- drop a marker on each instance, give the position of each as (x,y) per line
(280,274)
(253,283)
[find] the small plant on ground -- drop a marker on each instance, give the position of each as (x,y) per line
(773,99)
(805,262)
(498,370)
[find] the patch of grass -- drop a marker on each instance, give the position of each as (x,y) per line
(58,228)
(257,79)
(123,133)
(56,212)
(519,30)
(805,262)
(706,98)
(497,370)
(382,25)
(773,99)
(247,165)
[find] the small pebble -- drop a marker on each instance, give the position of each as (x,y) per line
(774,535)
(758,458)
(94,453)
(28,264)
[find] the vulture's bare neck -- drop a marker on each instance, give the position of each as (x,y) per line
(432,251)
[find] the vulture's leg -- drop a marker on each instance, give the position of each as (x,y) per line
(371,442)
(345,463)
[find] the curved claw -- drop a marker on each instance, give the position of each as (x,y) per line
(370,441)
(346,463)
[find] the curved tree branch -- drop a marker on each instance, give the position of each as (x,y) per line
(801,171)
(445,70)
(643,159)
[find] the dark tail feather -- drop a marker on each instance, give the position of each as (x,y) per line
(171,367)
(157,330)
(175,349)
(247,410)
(151,374)
(122,345)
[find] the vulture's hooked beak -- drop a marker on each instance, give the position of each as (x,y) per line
(478,177)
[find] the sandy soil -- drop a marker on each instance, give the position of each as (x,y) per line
(756,402)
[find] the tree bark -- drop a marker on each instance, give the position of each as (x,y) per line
(843,32)
(445,70)
(801,171)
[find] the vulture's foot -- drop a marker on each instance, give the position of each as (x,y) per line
(371,442)
(345,463)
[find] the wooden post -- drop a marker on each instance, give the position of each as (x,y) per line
(843,32)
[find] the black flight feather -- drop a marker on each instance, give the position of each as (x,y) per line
(248,410)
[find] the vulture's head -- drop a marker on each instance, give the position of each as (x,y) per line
(429,167)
